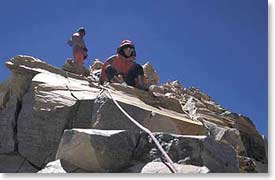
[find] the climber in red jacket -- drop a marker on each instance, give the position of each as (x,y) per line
(122,67)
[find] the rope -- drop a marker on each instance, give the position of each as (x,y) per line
(171,166)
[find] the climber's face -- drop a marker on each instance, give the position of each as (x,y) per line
(82,33)
(128,51)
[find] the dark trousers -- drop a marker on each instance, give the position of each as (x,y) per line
(131,75)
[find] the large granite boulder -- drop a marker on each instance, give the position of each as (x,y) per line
(98,150)
(30,66)
(144,108)
(12,91)
(151,76)
(52,104)
(159,167)
(73,67)
(227,135)
(37,104)
(94,150)
(190,150)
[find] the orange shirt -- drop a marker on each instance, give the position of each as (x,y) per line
(118,62)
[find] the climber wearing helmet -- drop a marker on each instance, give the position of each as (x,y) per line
(122,67)
(79,48)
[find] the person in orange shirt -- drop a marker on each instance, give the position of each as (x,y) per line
(122,67)
(79,47)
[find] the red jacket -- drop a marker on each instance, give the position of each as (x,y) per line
(120,63)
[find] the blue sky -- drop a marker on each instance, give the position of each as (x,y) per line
(219,46)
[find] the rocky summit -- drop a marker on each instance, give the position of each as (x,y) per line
(54,120)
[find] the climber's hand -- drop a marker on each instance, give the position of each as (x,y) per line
(117,79)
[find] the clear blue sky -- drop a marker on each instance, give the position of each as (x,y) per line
(219,46)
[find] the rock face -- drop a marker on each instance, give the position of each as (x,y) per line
(232,128)
(97,65)
(15,163)
(227,135)
(54,121)
(114,150)
(8,125)
(98,150)
(12,92)
(107,116)
(151,76)
(159,167)
(37,106)
(190,150)
(47,109)
(73,67)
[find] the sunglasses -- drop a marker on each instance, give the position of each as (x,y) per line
(129,46)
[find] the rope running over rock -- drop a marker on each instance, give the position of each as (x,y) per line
(168,159)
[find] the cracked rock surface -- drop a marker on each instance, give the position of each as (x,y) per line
(45,111)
